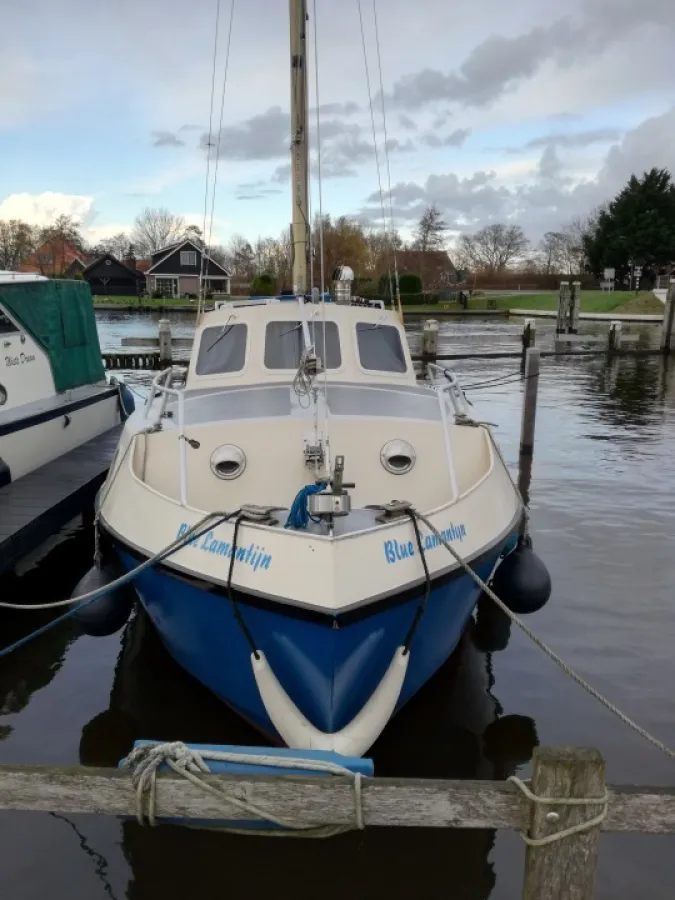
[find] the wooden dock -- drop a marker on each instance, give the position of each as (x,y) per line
(562,827)
(32,508)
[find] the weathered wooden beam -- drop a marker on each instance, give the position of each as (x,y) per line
(416,803)
(564,869)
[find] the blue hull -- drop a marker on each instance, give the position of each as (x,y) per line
(328,671)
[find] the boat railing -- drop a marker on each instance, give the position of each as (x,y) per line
(161,386)
(451,403)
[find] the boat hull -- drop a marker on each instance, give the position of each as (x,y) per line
(329,666)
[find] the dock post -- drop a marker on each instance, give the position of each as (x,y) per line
(165,354)
(563,307)
(529,335)
(430,339)
(667,337)
(526,452)
(614,337)
(564,869)
(575,307)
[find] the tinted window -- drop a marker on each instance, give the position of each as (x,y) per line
(222,349)
(6,326)
(284,344)
(380,348)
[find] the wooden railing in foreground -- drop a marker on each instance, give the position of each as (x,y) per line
(564,868)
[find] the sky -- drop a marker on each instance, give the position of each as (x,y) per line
(495,112)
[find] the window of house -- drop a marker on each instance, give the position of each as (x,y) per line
(168,287)
(284,344)
(188,257)
(6,324)
(380,348)
(222,349)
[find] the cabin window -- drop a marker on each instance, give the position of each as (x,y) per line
(284,344)
(6,324)
(380,348)
(188,258)
(222,350)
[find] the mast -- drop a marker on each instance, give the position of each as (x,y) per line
(299,146)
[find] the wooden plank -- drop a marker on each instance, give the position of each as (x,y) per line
(314,801)
(564,869)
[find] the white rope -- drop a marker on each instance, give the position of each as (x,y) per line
(144,761)
(208,151)
(208,243)
(377,154)
(580,828)
(543,646)
(386,156)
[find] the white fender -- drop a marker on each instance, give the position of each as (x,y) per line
(354,739)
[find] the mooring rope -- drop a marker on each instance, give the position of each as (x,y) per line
(552,655)
(580,828)
(190,763)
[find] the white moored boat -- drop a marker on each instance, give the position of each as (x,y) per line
(53,392)
(306,592)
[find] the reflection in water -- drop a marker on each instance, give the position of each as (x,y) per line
(37,663)
(627,392)
(453,729)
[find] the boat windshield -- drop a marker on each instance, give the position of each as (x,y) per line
(380,348)
(284,344)
(222,350)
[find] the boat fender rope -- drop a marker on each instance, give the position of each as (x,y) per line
(580,828)
(190,763)
(427,583)
(543,646)
(230,592)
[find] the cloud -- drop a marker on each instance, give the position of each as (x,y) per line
(499,64)
(569,139)
(337,109)
(455,139)
(166,139)
(407,123)
(256,190)
(261,137)
(42,209)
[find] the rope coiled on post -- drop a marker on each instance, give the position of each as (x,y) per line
(580,828)
(189,763)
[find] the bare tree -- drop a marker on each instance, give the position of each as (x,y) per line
(552,251)
(431,230)
(17,241)
(493,248)
(55,244)
(155,228)
(118,245)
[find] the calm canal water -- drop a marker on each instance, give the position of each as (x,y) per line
(602,500)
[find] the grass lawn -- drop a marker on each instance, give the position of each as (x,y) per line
(591,302)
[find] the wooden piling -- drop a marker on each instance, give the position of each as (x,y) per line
(165,350)
(667,336)
(575,308)
(430,339)
(532,367)
(529,335)
(614,338)
(564,869)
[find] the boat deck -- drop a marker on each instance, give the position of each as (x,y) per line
(35,506)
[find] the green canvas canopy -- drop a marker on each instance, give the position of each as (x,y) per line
(59,315)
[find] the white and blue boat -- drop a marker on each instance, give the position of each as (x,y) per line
(314,604)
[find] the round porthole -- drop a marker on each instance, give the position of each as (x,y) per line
(228,462)
(398,457)
(3,396)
